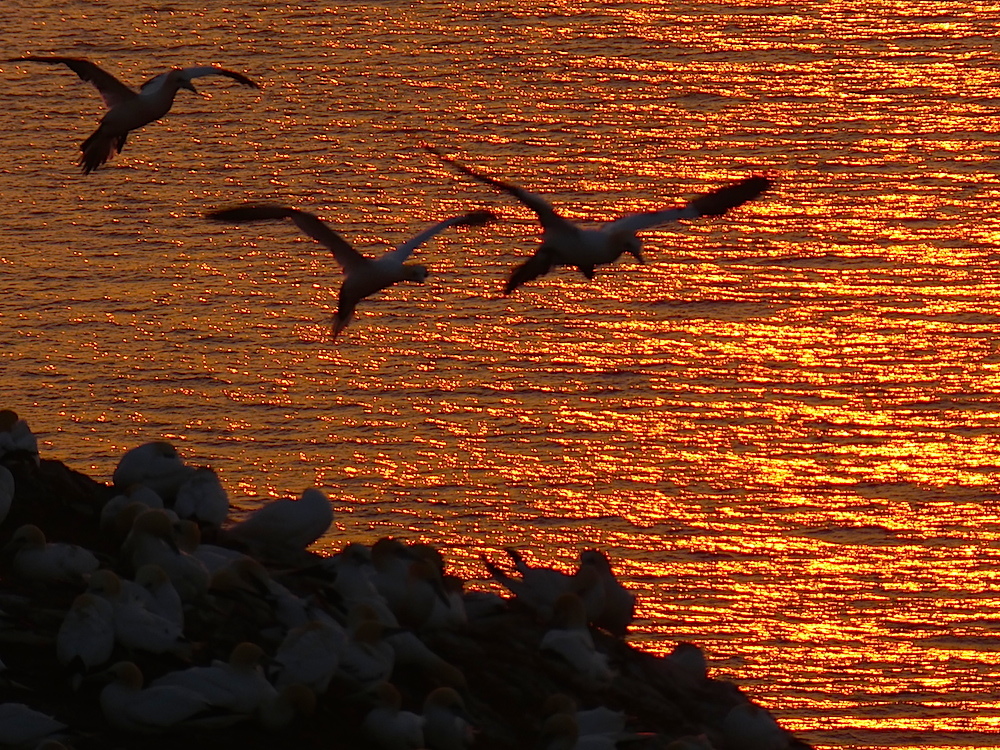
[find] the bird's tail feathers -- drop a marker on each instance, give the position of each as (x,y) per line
(98,148)
(719,201)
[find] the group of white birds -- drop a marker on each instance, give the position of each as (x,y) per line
(563,242)
(252,627)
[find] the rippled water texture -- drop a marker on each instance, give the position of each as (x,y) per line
(783,429)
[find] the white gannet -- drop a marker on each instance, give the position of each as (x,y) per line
(16,437)
(561,732)
(157,465)
(409,583)
(747,726)
(447,725)
(248,583)
(539,587)
(363,276)
(366,659)
(152,541)
(617,608)
(564,243)
(6,492)
(136,627)
(126,705)
(282,529)
(39,561)
(128,109)
(411,652)
(289,702)
(21,725)
(203,499)
(161,595)
(86,637)
(117,517)
(309,655)
(388,727)
(355,582)
(237,685)
(570,639)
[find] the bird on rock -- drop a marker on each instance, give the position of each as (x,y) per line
(282,529)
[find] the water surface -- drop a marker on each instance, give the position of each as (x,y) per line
(782,429)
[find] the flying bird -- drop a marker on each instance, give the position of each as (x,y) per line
(364,276)
(128,109)
(564,243)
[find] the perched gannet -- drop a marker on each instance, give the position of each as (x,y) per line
(237,685)
(245,582)
(409,583)
(411,652)
(747,726)
(595,726)
(161,595)
(126,705)
(561,732)
(6,492)
(16,437)
(539,587)
(564,243)
(21,725)
(366,659)
(157,465)
(309,655)
(117,515)
(388,727)
(600,720)
(39,561)
(136,627)
(289,702)
(355,583)
(282,529)
(364,276)
(617,608)
(86,637)
(571,640)
(203,499)
(152,541)
(447,725)
(128,109)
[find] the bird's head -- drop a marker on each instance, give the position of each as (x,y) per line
(414,272)
(178,77)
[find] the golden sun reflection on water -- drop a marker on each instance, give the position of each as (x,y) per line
(782,429)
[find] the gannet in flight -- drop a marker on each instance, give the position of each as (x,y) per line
(564,243)
(364,276)
(129,109)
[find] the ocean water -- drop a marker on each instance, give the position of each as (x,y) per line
(782,429)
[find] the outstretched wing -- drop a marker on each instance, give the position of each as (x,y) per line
(346,255)
(110,88)
(206,70)
(474,218)
(714,203)
(546,214)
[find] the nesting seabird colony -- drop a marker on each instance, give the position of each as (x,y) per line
(154,630)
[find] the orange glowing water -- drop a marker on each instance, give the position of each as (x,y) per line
(783,430)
